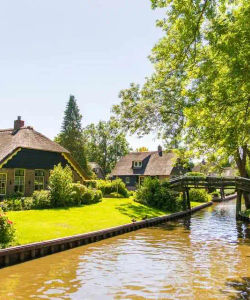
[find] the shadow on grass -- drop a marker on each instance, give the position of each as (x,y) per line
(138,212)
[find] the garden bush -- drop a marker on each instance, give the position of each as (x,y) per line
(199,195)
(158,194)
(97,196)
(27,203)
(41,199)
(116,186)
(15,204)
(115,195)
(195,174)
(78,192)
(215,194)
(92,196)
(83,195)
(7,231)
(90,183)
(60,186)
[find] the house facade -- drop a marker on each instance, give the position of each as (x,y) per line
(135,166)
(26,158)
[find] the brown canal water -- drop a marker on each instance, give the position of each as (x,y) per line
(206,256)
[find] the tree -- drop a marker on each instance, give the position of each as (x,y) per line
(105,144)
(199,91)
(71,136)
(142,149)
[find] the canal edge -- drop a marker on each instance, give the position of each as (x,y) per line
(18,254)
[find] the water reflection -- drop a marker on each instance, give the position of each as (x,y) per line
(202,257)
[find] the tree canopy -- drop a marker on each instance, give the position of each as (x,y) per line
(105,144)
(199,91)
(71,136)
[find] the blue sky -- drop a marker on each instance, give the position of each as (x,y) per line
(89,48)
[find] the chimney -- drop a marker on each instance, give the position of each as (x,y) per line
(18,123)
(160,150)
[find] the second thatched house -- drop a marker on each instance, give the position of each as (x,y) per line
(135,166)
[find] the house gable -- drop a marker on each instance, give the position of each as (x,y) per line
(35,159)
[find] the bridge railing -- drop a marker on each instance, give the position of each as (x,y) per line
(183,182)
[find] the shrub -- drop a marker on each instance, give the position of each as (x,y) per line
(78,192)
(92,196)
(27,203)
(115,195)
(4,205)
(116,186)
(195,174)
(7,231)
(91,183)
(97,196)
(157,194)
(14,204)
(215,194)
(199,195)
(41,199)
(60,185)
(83,195)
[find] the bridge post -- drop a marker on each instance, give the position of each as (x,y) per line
(222,194)
(188,199)
(184,204)
(238,203)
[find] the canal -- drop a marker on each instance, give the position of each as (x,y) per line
(205,257)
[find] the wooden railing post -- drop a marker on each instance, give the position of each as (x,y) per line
(188,199)
(238,203)
(184,205)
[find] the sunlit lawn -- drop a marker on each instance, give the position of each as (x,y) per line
(39,225)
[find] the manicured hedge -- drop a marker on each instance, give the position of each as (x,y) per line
(108,186)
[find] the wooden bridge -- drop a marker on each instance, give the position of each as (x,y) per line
(184,183)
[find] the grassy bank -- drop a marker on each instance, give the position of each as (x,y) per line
(39,225)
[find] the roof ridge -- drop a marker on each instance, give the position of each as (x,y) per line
(135,152)
(3,130)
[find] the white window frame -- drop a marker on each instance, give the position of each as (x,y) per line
(5,174)
(137,164)
(18,176)
(43,180)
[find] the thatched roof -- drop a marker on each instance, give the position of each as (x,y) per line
(25,137)
(152,164)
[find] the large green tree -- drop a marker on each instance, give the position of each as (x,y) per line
(199,91)
(105,144)
(71,136)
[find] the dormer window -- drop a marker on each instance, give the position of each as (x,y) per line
(137,164)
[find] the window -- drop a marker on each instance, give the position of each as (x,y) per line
(19,181)
(137,164)
(127,180)
(39,180)
(3,181)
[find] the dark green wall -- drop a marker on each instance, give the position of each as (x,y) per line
(35,159)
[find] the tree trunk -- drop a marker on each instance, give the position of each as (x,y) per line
(241,161)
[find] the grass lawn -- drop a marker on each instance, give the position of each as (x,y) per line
(39,225)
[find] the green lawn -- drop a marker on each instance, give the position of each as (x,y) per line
(39,225)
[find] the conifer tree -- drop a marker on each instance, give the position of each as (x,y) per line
(70,136)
